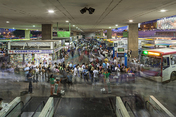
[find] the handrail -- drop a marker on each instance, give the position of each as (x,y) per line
(152,107)
(42,102)
(126,103)
(25,106)
(56,106)
(15,107)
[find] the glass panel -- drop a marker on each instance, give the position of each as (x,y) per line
(16,111)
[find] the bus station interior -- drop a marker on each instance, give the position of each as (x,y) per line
(151,94)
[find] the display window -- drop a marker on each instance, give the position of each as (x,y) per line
(42,58)
(16,58)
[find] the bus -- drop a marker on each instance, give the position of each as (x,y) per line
(159,64)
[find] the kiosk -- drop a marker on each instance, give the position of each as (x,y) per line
(121,53)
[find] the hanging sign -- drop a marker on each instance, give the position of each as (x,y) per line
(30,51)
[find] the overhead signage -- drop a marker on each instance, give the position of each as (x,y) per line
(120,50)
(30,51)
(63,33)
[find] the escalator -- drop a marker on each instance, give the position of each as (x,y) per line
(86,107)
(137,107)
(31,109)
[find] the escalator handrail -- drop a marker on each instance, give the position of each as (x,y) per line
(14,107)
(56,106)
(152,107)
(126,103)
(42,102)
(25,106)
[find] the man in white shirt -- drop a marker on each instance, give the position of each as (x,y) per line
(75,73)
(83,66)
(107,64)
(95,73)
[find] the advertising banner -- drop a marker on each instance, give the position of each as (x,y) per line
(30,51)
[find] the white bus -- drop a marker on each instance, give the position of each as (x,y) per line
(159,64)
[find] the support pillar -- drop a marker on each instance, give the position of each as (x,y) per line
(27,34)
(101,34)
(133,39)
(109,33)
(47,31)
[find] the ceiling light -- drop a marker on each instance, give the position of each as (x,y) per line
(13,28)
(116,25)
(26,29)
(33,25)
(7,22)
(83,10)
(50,11)
(67,21)
(37,30)
(76,27)
(91,10)
(109,27)
(130,20)
(163,10)
(73,25)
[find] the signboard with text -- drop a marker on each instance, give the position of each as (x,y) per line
(30,51)
(120,50)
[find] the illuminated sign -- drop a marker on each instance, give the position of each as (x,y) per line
(121,49)
(151,53)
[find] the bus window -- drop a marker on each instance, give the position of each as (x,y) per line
(173,59)
(165,62)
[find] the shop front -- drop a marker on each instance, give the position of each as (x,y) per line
(33,56)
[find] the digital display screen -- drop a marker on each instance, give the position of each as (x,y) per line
(121,50)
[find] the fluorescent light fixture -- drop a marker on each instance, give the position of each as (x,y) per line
(163,10)
(50,11)
(67,21)
(7,22)
(116,25)
(109,27)
(130,20)
(33,25)
(73,25)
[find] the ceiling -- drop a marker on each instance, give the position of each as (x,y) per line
(23,14)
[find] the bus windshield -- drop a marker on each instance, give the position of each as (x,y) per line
(152,62)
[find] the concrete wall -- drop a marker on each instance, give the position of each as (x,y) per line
(89,35)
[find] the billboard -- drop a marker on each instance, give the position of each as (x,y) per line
(167,23)
(63,33)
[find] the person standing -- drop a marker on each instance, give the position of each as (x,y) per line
(106,80)
(29,77)
(95,75)
(52,82)
(36,73)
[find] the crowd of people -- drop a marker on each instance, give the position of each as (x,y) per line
(101,67)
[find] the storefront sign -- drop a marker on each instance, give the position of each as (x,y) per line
(120,50)
(30,51)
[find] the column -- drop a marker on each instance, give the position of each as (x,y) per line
(27,34)
(101,33)
(47,31)
(109,33)
(133,39)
